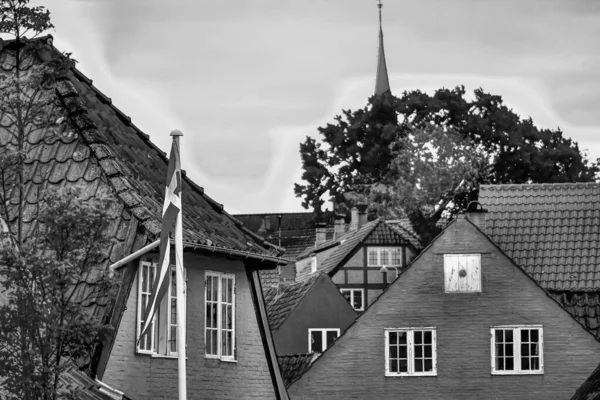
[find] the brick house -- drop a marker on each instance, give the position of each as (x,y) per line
(96,148)
(307,316)
(462,321)
(362,260)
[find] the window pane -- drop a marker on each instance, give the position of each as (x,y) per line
(331,336)
(499,335)
(173,341)
(209,280)
(316,340)
(396,256)
(384,257)
(418,337)
(524,335)
(535,335)
(215,341)
(394,366)
(510,364)
(358,302)
(208,342)
(402,338)
(508,336)
(500,364)
(535,363)
(525,350)
(393,337)
(418,365)
(419,351)
(428,337)
(428,351)
(428,365)
(403,353)
(372,256)
(393,351)
(347,295)
(525,363)
(403,366)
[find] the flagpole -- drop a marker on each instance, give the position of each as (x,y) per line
(181,306)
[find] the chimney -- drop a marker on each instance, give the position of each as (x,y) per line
(321,233)
(354,219)
(476,214)
(340,225)
(362,214)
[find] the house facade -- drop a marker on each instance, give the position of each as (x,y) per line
(362,261)
(307,316)
(94,147)
(462,321)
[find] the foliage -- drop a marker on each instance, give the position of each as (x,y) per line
(362,155)
(51,283)
(19,19)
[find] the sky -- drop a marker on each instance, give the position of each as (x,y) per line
(247,80)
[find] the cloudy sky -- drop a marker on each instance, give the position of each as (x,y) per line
(247,80)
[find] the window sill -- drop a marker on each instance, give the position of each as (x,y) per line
(391,375)
(513,373)
(220,359)
(166,356)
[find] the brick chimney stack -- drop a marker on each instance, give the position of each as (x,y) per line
(476,214)
(353,219)
(321,233)
(362,214)
(340,225)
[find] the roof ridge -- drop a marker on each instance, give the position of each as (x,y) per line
(537,185)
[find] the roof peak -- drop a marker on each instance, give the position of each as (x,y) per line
(382,82)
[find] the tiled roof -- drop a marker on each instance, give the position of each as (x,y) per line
(100,151)
(296,234)
(551,230)
(281,303)
(404,227)
(294,365)
(269,277)
(82,387)
(584,306)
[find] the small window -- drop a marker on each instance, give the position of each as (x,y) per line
(517,350)
(380,256)
(462,273)
(219,328)
(321,339)
(355,298)
(146,274)
(410,352)
(313,264)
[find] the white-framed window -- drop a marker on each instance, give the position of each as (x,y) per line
(380,256)
(313,264)
(462,273)
(410,352)
(164,322)
(219,328)
(146,274)
(517,350)
(320,339)
(355,297)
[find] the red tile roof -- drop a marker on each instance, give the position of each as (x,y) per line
(551,230)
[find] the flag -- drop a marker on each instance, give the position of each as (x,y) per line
(171,210)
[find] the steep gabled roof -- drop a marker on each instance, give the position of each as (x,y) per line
(551,230)
(294,365)
(281,302)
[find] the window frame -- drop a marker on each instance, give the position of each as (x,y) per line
(410,351)
(324,337)
(220,276)
(152,331)
(516,349)
(313,264)
(379,249)
(352,291)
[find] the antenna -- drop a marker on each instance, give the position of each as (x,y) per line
(379,6)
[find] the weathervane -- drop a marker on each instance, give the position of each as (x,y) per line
(379,6)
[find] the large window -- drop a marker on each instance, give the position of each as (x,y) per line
(517,350)
(321,339)
(355,298)
(380,256)
(410,352)
(219,333)
(165,318)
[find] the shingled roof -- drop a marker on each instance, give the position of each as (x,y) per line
(589,390)
(281,301)
(552,231)
(294,365)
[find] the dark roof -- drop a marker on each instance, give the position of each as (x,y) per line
(85,388)
(269,277)
(281,302)
(589,390)
(551,230)
(296,234)
(405,228)
(100,151)
(584,306)
(294,365)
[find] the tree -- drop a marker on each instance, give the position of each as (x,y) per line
(366,149)
(51,281)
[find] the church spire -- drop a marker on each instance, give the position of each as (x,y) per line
(382,83)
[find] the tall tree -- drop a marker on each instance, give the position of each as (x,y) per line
(364,149)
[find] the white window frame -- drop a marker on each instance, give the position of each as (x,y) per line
(170,296)
(323,337)
(220,276)
(313,264)
(410,351)
(447,270)
(379,250)
(362,297)
(517,350)
(141,309)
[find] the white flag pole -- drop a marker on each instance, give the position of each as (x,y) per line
(181,306)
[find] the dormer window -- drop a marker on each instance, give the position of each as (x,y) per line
(380,256)
(462,273)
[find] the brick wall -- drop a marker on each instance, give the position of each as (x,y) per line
(354,366)
(146,377)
